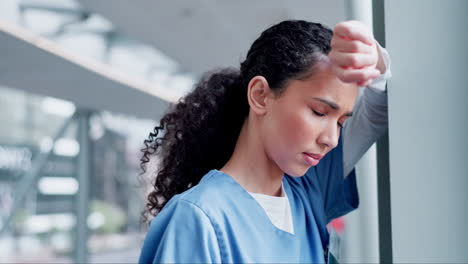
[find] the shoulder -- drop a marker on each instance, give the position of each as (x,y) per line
(179,224)
(178,215)
(192,210)
(209,196)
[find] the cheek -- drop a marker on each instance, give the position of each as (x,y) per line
(292,134)
(300,127)
(294,130)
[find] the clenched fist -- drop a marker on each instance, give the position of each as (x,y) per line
(355,55)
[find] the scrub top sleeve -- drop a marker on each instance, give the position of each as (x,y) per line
(340,195)
(182,233)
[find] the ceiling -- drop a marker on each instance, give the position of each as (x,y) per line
(204,34)
(198,35)
(34,64)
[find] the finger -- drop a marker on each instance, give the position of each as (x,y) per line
(352,46)
(364,84)
(360,76)
(353,60)
(354,30)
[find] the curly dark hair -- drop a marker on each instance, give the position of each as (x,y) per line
(199,133)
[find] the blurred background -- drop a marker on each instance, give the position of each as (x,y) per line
(83,82)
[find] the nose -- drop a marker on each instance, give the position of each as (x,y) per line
(329,137)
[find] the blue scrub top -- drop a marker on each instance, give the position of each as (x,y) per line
(219,221)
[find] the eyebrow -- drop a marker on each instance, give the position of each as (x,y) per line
(332,104)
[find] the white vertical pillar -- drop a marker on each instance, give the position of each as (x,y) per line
(82,203)
(361,239)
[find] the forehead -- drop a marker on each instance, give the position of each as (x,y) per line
(323,83)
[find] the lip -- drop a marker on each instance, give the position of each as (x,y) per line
(312,159)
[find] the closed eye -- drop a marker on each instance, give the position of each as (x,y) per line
(340,125)
(318,113)
(343,122)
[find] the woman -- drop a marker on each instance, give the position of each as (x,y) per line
(251,163)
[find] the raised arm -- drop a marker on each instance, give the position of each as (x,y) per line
(357,57)
(369,121)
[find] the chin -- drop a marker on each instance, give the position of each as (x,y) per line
(297,172)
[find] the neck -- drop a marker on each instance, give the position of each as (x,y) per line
(250,165)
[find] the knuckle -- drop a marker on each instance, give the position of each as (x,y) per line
(339,25)
(342,75)
(342,28)
(353,60)
(371,60)
(362,75)
(339,72)
(347,78)
(347,30)
(354,45)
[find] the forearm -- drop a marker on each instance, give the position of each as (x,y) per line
(369,121)
(363,129)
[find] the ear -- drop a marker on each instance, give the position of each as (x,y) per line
(258,91)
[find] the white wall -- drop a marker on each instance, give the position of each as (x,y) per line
(428,115)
